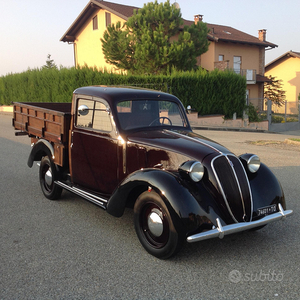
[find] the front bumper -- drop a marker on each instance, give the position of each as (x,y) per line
(221,231)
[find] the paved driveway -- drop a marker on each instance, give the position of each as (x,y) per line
(71,249)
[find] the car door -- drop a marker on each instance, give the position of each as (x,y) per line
(94,147)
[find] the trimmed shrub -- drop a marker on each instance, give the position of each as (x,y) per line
(216,92)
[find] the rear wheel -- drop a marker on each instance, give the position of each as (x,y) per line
(154,226)
(48,174)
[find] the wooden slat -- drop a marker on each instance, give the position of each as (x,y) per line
(44,120)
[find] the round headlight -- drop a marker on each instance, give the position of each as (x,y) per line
(253,163)
(194,170)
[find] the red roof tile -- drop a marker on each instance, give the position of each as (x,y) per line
(121,10)
(217,32)
(229,34)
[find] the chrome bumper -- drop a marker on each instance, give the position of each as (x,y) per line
(220,231)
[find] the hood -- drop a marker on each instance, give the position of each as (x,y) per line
(184,142)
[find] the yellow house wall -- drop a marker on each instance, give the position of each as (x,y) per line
(254,96)
(88,47)
(289,72)
(250,60)
(249,54)
(208,58)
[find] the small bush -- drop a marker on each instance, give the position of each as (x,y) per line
(291,119)
(252,113)
(277,119)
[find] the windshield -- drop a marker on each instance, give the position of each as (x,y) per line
(145,113)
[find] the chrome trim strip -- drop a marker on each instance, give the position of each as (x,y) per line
(249,188)
(221,231)
(193,139)
(90,197)
(237,181)
(221,188)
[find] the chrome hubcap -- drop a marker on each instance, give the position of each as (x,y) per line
(155,223)
(48,177)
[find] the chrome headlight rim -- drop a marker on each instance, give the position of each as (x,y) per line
(253,163)
(193,169)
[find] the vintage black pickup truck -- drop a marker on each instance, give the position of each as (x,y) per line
(123,147)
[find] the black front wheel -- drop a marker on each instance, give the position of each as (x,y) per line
(154,226)
(48,174)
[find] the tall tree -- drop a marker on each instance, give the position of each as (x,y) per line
(154,40)
(50,64)
(273,91)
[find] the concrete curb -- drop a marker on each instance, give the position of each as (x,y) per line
(229,129)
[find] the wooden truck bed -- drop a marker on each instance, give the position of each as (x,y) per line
(50,121)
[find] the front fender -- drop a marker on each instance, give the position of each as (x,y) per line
(185,210)
(40,149)
(265,188)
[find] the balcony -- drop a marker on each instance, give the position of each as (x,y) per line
(250,75)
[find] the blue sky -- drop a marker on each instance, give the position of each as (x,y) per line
(30,30)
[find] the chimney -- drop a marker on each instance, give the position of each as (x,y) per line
(198,18)
(262,34)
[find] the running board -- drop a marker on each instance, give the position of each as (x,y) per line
(87,196)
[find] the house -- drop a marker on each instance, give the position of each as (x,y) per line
(287,68)
(245,54)
(229,48)
(88,28)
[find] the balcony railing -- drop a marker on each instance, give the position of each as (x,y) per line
(250,75)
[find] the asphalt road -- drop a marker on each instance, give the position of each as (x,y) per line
(71,249)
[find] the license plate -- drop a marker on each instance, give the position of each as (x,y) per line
(267,210)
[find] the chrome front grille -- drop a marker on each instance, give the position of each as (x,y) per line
(234,186)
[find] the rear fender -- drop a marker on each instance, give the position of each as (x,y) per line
(41,148)
(185,210)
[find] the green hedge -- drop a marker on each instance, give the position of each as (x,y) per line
(216,92)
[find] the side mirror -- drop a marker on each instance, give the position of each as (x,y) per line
(83,110)
(189,109)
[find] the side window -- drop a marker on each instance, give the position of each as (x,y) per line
(95,23)
(107,19)
(94,115)
(101,118)
(85,119)
(237,62)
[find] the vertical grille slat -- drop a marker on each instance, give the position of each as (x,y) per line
(234,186)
